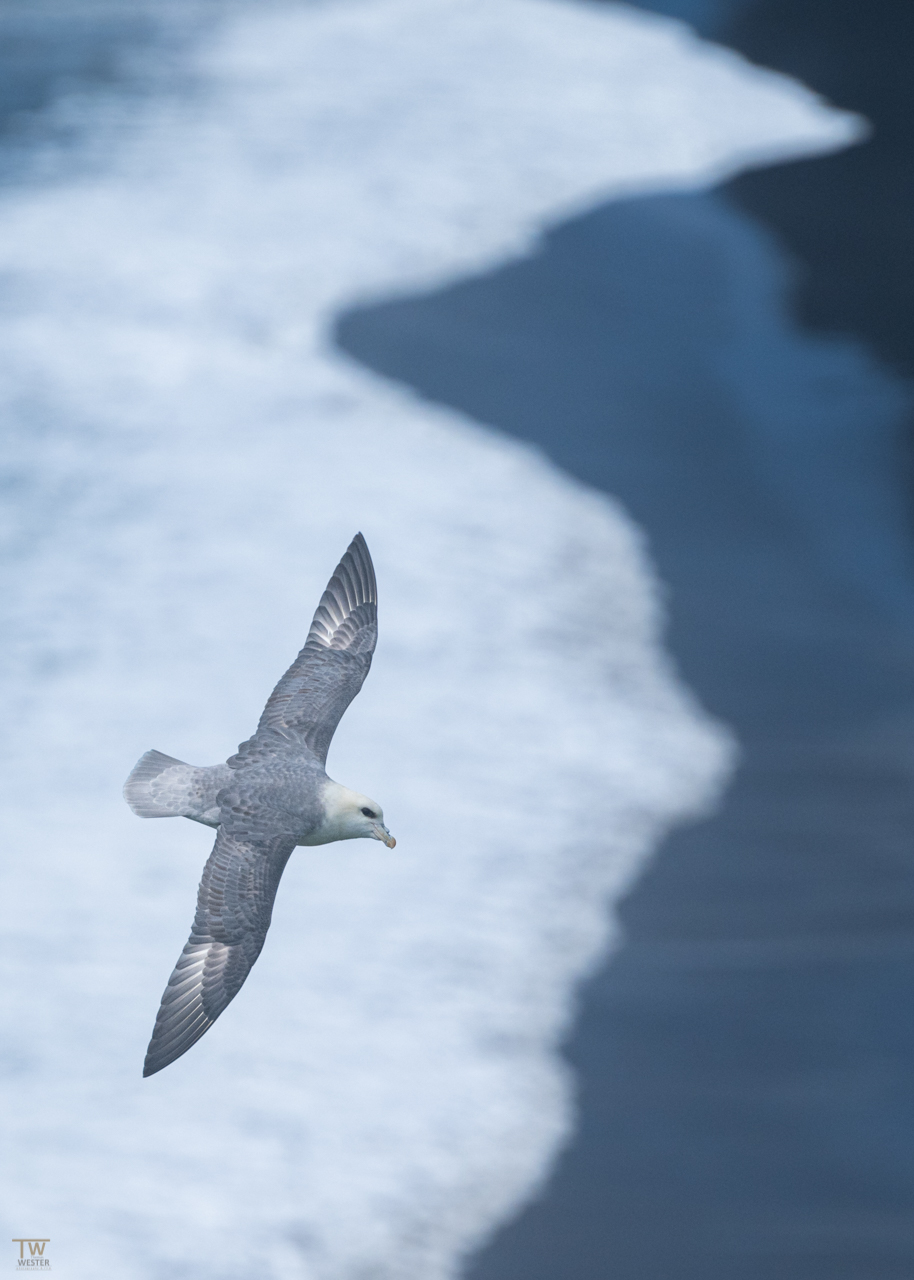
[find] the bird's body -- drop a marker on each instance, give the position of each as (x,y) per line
(272,795)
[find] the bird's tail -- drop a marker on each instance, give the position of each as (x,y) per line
(162,787)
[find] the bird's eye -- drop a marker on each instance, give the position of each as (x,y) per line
(368,813)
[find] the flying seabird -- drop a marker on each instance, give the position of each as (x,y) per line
(273,795)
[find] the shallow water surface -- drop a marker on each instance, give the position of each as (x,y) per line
(745,1065)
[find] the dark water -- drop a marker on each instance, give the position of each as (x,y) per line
(48,49)
(846,218)
(61,60)
(709,18)
(730,365)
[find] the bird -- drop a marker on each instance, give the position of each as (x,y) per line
(271,796)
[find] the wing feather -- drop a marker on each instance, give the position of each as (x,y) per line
(234,908)
(310,699)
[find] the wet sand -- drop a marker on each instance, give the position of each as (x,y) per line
(746,1060)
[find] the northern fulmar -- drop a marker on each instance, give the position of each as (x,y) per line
(273,795)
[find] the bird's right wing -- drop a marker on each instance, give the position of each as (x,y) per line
(309,701)
(234,907)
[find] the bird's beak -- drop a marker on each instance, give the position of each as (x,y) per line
(381,833)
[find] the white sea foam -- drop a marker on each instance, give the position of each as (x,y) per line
(187,459)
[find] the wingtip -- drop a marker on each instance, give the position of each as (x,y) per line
(358,549)
(154,1063)
(359,555)
(178,1028)
(150,1065)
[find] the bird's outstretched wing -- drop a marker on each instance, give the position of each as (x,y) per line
(309,701)
(234,906)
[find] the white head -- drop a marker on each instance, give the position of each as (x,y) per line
(348,815)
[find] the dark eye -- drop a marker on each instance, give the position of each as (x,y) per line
(369,814)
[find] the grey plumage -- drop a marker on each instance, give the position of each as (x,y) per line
(162,787)
(234,907)
(270,796)
(309,701)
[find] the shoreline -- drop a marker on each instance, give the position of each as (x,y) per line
(743,1078)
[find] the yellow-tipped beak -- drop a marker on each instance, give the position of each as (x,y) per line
(381,833)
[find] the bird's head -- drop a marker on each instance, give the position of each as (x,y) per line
(352,816)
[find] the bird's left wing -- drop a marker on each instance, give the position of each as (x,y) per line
(234,907)
(309,701)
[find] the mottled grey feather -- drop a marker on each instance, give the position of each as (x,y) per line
(309,701)
(234,907)
(162,787)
